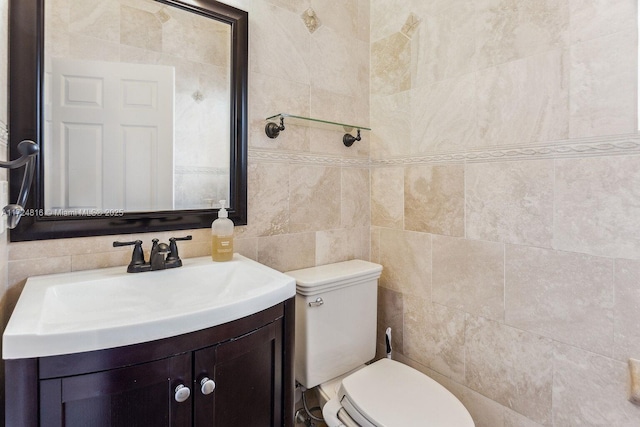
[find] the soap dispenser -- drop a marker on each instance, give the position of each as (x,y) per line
(222,236)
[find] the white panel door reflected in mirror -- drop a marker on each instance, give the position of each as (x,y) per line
(178,161)
(109,137)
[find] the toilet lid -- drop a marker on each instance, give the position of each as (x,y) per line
(390,394)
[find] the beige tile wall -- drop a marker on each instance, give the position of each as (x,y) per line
(308,194)
(505,200)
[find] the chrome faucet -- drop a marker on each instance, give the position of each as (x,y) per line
(162,256)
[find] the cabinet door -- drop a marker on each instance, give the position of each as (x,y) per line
(247,372)
(135,396)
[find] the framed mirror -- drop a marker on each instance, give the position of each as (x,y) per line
(140,111)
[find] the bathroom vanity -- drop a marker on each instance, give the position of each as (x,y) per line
(66,371)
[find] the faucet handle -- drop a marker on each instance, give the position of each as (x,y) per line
(137,257)
(173,249)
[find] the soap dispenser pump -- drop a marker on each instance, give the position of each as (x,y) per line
(222,235)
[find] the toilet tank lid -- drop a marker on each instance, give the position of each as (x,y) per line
(324,277)
(389,393)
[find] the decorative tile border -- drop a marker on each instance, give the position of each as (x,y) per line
(306,158)
(583,147)
(628,144)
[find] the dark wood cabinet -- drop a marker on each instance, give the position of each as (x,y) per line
(133,396)
(237,374)
(247,374)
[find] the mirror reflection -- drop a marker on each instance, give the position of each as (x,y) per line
(136,107)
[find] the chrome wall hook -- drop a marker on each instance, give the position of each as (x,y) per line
(28,151)
(273,130)
(349,139)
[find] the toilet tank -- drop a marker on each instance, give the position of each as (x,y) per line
(336,309)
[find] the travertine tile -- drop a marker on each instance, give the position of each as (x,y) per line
(100,260)
(329,141)
(56,32)
(352,109)
(510,202)
(510,366)
(268,200)
(339,15)
(434,336)
(484,411)
(356,197)
(271,95)
(140,28)
(363,18)
(591,390)
(524,101)
(90,48)
(74,246)
(96,18)
(509,30)
(390,65)
(514,419)
(342,245)
(561,295)
(391,125)
(592,19)
(406,260)
(336,63)
(314,197)
(602,95)
(434,199)
(247,247)
(596,206)
(390,315)
(279,43)
(444,116)
(387,197)
(469,276)
(288,251)
(20,270)
(197,249)
(297,6)
(374,256)
(388,17)
(626,314)
(444,43)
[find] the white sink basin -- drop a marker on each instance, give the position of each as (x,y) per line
(105,308)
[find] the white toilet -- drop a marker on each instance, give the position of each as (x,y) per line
(336,306)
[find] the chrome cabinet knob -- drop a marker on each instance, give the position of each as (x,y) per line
(182,393)
(207,385)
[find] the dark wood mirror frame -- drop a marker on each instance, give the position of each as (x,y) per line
(26,72)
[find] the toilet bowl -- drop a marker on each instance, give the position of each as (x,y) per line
(336,306)
(388,393)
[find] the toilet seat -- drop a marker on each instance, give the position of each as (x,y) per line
(390,394)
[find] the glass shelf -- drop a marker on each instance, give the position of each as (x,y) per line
(300,120)
(273,129)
